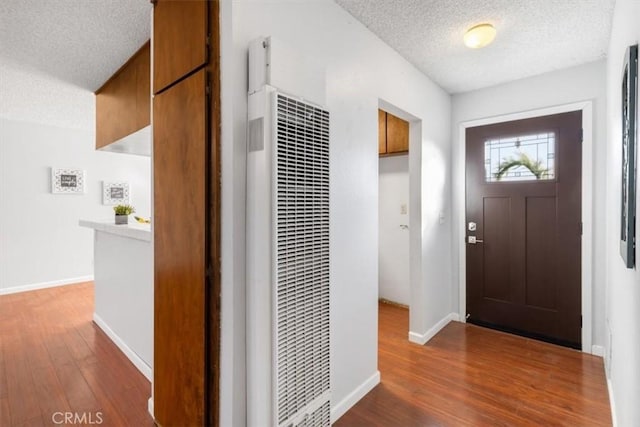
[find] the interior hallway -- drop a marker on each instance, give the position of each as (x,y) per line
(472,376)
(54,359)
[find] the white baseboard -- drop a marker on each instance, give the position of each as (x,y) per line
(131,355)
(614,420)
(597,350)
(150,407)
(43,285)
(343,406)
(422,339)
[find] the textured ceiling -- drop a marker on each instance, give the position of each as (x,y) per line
(534,36)
(81,42)
(30,96)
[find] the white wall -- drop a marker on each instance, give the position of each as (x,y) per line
(582,83)
(360,71)
(393,249)
(623,285)
(124,267)
(40,239)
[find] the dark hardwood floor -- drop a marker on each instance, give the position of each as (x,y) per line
(472,376)
(54,359)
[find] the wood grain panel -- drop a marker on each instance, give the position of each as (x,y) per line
(382,132)
(471,376)
(115,108)
(214,220)
(143,86)
(397,135)
(497,247)
(180,205)
(180,31)
(123,104)
(541,252)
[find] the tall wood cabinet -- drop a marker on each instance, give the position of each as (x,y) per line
(123,103)
(393,134)
(186,123)
(180,42)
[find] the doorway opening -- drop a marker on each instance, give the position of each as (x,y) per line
(393,210)
(399,220)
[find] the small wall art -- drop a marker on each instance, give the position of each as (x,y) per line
(67,181)
(628,236)
(115,193)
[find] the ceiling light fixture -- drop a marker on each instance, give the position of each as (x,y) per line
(479,36)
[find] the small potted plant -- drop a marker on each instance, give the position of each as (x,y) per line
(122,213)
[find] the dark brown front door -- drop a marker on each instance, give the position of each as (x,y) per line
(523,238)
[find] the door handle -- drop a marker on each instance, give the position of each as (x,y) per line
(473,240)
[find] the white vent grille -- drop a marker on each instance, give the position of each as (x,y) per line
(302,264)
(319,417)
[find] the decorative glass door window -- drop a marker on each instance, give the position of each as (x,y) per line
(520,158)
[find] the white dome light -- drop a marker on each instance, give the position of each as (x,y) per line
(479,36)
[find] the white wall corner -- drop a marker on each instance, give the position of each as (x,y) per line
(614,419)
(422,339)
(352,398)
(150,408)
(597,350)
(43,285)
(131,355)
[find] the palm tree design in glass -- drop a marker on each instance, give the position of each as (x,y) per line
(522,160)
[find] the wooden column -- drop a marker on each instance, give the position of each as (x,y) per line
(186,129)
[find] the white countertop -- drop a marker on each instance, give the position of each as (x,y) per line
(133,230)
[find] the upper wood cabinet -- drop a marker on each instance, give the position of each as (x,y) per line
(382,132)
(393,134)
(123,103)
(179,40)
(142,63)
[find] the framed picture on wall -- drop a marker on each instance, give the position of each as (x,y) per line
(67,181)
(629,156)
(115,193)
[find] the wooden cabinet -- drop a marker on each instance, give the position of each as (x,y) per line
(179,40)
(123,103)
(142,64)
(382,132)
(186,167)
(393,134)
(180,171)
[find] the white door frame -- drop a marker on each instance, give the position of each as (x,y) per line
(417,305)
(587,205)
